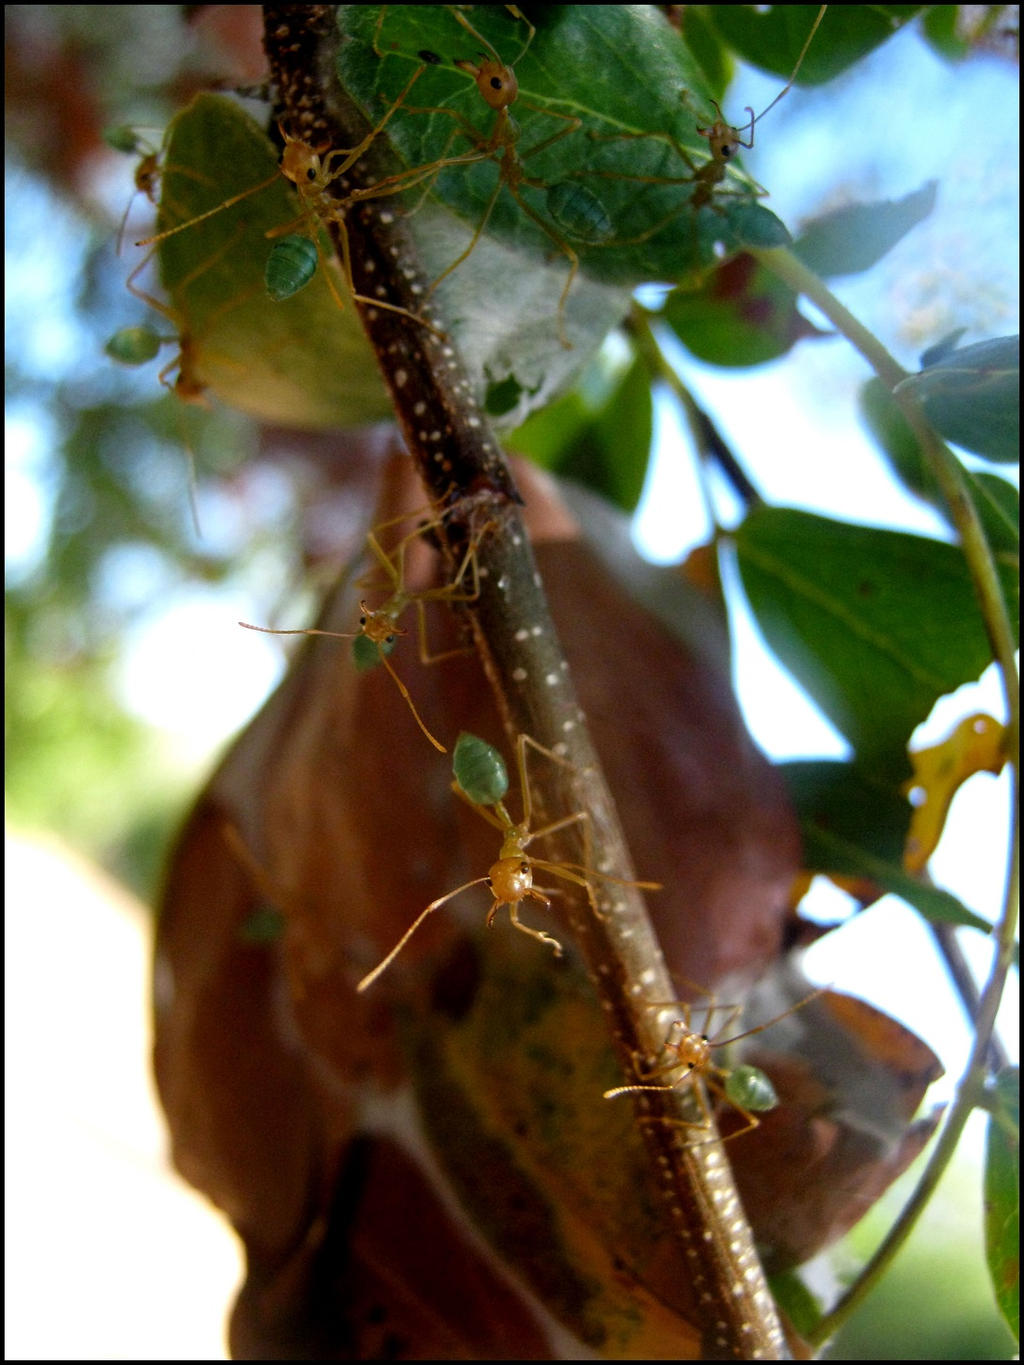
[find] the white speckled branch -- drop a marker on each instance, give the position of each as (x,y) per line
(450,440)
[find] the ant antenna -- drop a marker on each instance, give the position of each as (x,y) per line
(796,70)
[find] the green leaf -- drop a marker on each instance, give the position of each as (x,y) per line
(833,854)
(853,827)
(885,421)
(799,1304)
(740,315)
(303,361)
(852,239)
(972,398)
(598,436)
(996,501)
(639,158)
(771,36)
(835,798)
(253,353)
(998,504)
(939,26)
(1002,1197)
(876,625)
(706,47)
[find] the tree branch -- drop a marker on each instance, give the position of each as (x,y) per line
(467,477)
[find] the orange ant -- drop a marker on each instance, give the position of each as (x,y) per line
(481,781)
(745,1087)
(138,345)
(378,627)
(249,350)
(188,387)
(147,172)
(498,87)
(311,171)
(724,141)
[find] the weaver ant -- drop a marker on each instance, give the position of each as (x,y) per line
(745,1087)
(379,627)
(481,781)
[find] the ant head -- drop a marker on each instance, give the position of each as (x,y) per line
(379,626)
(496,82)
(723,138)
(510,879)
(189,389)
(147,174)
(299,162)
(725,141)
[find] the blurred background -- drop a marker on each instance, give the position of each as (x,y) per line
(127,677)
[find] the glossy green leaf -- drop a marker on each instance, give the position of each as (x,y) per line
(512,340)
(876,625)
(852,239)
(826,853)
(972,398)
(998,504)
(304,361)
(887,424)
(1002,1197)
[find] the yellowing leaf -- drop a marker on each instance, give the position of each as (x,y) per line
(976,745)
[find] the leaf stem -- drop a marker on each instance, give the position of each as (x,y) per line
(710,444)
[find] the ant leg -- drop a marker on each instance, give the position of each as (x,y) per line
(517,923)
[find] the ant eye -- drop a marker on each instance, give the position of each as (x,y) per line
(362,620)
(389,640)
